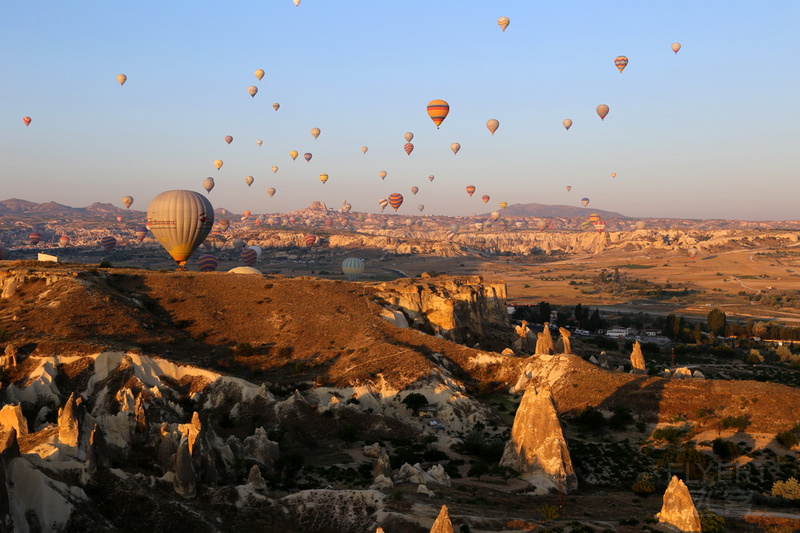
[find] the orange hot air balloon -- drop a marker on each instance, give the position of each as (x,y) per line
(438,110)
(259,74)
(252,90)
(485,198)
(310,239)
(271,192)
(675,47)
(218,163)
(122,78)
(315,132)
(247,213)
(613,174)
(323,178)
(364,149)
(414,190)
(395,200)
(470,189)
(293,154)
(567,123)
(408,147)
(492,124)
(602,111)
(621,62)
(382,174)
(274,169)
(228,139)
(63,241)
(26,120)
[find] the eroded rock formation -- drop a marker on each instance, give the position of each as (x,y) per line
(443,523)
(678,509)
(637,359)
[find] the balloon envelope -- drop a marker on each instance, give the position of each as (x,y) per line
(208,184)
(382,174)
(26,120)
(307,156)
(492,124)
(310,239)
(408,136)
(228,139)
(271,191)
(364,149)
(63,241)
(567,123)
(259,142)
(248,256)
(455,147)
(395,200)
(485,198)
(122,78)
(431,177)
(127,201)
(259,74)
(207,263)
(503,22)
(421,207)
(676,47)
(293,154)
(323,178)
(585,201)
(621,62)
(218,163)
(248,180)
(252,90)
(315,132)
(503,205)
(408,147)
(34,238)
(352,267)
(180,220)
(274,170)
(569,188)
(438,110)
(276,106)
(602,111)
(414,190)
(470,189)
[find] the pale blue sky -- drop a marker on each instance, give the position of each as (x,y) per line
(710,132)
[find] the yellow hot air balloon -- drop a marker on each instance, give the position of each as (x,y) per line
(503,205)
(602,111)
(127,201)
(455,147)
(180,221)
(676,47)
(503,22)
(382,174)
(438,111)
(259,74)
(271,191)
(315,132)
(567,123)
(492,124)
(218,163)
(274,169)
(252,90)
(293,154)
(248,180)
(276,106)
(364,149)
(122,78)
(621,62)
(323,178)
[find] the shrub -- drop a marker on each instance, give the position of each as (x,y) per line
(671,434)
(549,512)
(789,489)
(739,423)
(243,349)
(754,357)
(787,438)
(644,485)
(725,449)
(590,418)
(711,522)
(415,400)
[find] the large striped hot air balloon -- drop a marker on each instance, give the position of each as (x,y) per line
(108,242)
(408,147)
(470,189)
(310,239)
(352,267)
(248,256)
(438,110)
(26,120)
(207,263)
(34,238)
(621,62)
(395,200)
(180,220)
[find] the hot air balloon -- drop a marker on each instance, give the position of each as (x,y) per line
(503,205)
(26,120)
(315,132)
(271,191)
(207,263)
(408,147)
(224,224)
(613,174)
(408,136)
(692,252)
(485,198)
(119,218)
(310,239)
(600,226)
(455,147)
(585,201)
(122,78)
(63,241)
(569,188)
(640,224)
(208,184)
(567,123)
(248,256)
(492,124)
(323,178)
(247,213)
(395,200)
(438,110)
(252,90)
(223,211)
(276,106)
(127,201)
(364,149)
(180,220)
(141,233)
(248,180)
(293,154)
(676,47)
(602,111)
(259,74)
(307,156)
(383,202)
(274,170)
(431,177)
(621,62)
(503,22)
(421,208)
(594,217)
(296,2)
(414,190)
(346,208)
(34,238)
(541,225)
(108,242)
(382,174)
(218,163)
(454,228)
(259,142)
(470,189)
(352,267)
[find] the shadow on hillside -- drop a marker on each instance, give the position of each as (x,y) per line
(642,395)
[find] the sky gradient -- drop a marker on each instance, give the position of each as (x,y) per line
(710,132)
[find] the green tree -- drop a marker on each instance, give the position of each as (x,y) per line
(544,311)
(717,320)
(594,321)
(415,400)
